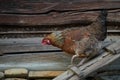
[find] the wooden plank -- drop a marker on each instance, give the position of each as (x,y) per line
(56,19)
(44,74)
(40,61)
(24,45)
(53,19)
(115,48)
(14,79)
(30,45)
(16,72)
(43,32)
(26,32)
(46,7)
(114,31)
(47,28)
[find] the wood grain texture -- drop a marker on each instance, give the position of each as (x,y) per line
(16,72)
(14,79)
(26,20)
(43,74)
(55,18)
(46,7)
(39,61)
(30,45)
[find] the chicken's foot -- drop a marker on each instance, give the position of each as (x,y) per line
(72,60)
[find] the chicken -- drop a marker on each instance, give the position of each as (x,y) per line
(80,42)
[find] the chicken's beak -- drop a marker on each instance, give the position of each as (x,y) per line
(43,43)
(46,42)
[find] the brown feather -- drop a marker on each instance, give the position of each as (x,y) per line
(80,40)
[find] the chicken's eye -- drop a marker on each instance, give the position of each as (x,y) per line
(48,42)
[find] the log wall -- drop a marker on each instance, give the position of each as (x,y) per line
(24,23)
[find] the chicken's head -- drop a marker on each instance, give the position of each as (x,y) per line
(46,41)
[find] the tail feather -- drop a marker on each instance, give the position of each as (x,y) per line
(98,27)
(102,20)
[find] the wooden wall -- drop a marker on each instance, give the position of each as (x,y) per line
(23,23)
(21,19)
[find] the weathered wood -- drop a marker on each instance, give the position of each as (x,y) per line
(90,67)
(44,74)
(32,14)
(15,79)
(46,29)
(30,45)
(47,7)
(26,32)
(45,32)
(16,72)
(24,45)
(52,19)
(115,48)
(55,61)
(114,31)
(55,18)
(16,31)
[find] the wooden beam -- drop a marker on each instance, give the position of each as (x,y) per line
(14,79)
(113,49)
(24,45)
(27,7)
(46,19)
(16,72)
(55,19)
(113,31)
(54,61)
(44,74)
(28,45)
(43,32)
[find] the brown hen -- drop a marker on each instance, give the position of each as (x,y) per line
(80,42)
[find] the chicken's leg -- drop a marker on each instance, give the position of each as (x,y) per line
(72,60)
(73,57)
